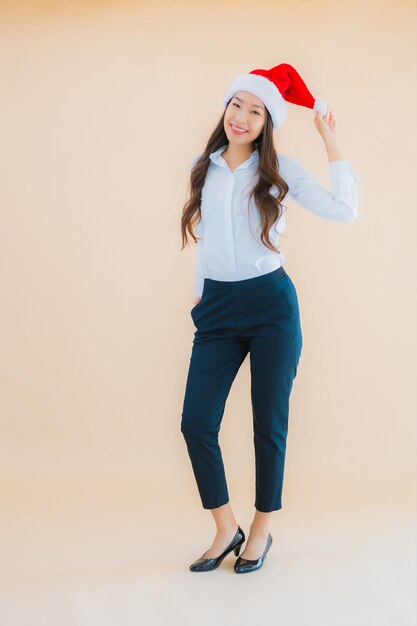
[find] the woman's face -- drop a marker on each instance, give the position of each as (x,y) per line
(246,112)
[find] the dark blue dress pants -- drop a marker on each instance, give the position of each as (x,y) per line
(258,315)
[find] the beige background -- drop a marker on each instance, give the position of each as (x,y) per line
(103,106)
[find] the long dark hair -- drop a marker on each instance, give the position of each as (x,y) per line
(270,208)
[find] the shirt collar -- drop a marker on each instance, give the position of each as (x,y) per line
(216,158)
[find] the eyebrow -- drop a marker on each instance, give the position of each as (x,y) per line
(253,105)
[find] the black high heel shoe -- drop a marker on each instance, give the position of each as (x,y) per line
(205,565)
(243,565)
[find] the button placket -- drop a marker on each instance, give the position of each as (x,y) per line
(229,223)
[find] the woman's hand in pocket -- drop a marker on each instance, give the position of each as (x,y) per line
(197,300)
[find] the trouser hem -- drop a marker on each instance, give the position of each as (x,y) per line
(268,509)
(215,505)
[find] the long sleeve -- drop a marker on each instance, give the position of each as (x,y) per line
(199,262)
(199,276)
(339,205)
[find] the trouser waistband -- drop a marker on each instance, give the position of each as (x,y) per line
(246,283)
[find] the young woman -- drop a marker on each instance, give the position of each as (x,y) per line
(246,302)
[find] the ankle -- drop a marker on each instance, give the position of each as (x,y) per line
(227,528)
(258,529)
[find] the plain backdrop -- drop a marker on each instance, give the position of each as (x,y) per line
(103,106)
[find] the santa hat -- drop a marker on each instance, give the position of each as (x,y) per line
(274,87)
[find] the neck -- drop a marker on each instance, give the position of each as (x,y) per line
(236,152)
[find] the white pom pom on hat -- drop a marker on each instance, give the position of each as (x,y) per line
(275,87)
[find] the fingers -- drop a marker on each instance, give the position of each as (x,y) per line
(329,118)
(332,119)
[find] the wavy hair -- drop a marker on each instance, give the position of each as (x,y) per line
(270,207)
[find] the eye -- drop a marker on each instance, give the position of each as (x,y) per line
(236,104)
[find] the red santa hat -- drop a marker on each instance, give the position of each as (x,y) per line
(275,87)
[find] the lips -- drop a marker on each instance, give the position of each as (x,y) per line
(237,130)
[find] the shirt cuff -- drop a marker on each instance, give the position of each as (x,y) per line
(343,169)
(344,183)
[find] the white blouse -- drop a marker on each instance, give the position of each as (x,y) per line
(230,247)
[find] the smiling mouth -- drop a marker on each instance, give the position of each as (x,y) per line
(238,131)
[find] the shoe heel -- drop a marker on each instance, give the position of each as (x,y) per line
(237,549)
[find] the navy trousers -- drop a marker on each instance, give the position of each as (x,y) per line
(258,315)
